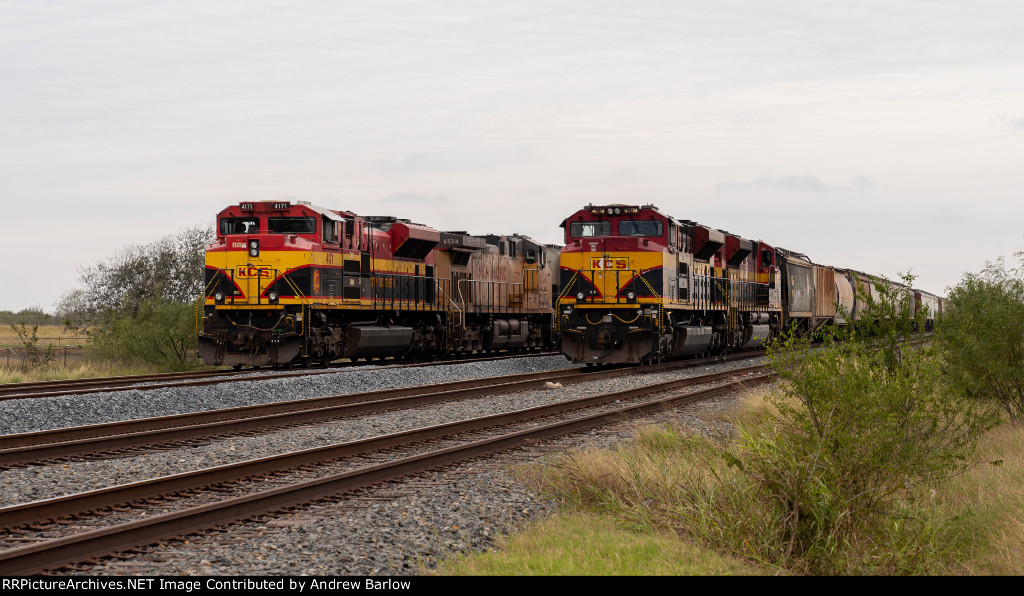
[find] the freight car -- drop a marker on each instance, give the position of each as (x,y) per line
(638,285)
(292,283)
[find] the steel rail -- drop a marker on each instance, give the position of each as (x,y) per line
(45,555)
(21,449)
(38,389)
(70,504)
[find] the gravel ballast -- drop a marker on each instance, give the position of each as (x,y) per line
(403,535)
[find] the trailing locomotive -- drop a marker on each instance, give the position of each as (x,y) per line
(638,286)
(290,283)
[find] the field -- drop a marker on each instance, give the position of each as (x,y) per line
(54,346)
(55,336)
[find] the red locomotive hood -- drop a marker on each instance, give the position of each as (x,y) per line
(412,241)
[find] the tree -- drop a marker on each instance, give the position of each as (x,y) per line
(981,336)
(140,303)
(170,268)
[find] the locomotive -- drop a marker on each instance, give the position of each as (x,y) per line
(637,285)
(292,283)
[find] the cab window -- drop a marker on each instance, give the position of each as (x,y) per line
(330,230)
(291,225)
(587,229)
(640,228)
(239,225)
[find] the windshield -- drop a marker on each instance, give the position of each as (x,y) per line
(639,228)
(292,225)
(239,225)
(585,229)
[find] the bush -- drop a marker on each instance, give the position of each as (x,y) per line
(139,306)
(35,355)
(160,332)
(981,336)
(862,426)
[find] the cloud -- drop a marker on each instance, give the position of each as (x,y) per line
(407,198)
(785,182)
(805,183)
(859,183)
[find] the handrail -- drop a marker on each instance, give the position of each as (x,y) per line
(558,302)
(451,320)
(201,300)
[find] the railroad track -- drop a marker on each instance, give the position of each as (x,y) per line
(184,379)
(46,534)
(118,439)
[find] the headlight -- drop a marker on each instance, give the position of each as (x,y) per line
(219,297)
(272,296)
(631,295)
(254,248)
(579,296)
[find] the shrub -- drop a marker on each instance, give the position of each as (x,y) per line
(861,426)
(162,333)
(981,336)
(139,306)
(35,355)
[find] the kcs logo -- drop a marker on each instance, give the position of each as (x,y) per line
(602,264)
(250,272)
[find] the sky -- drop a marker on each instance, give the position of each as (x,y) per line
(880,135)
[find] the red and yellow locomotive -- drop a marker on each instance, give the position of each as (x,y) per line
(291,283)
(638,286)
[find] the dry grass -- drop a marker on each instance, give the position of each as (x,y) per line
(986,505)
(48,335)
(749,406)
(87,369)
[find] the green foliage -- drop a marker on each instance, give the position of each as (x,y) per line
(169,269)
(28,316)
(139,305)
(862,425)
(981,336)
(159,332)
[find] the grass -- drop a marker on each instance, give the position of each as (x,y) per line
(985,508)
(670,503)
(588,544)
(86,369)
(48,335)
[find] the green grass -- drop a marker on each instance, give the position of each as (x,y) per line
(587,544)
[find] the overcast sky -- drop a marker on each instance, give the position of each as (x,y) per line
(880,135)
